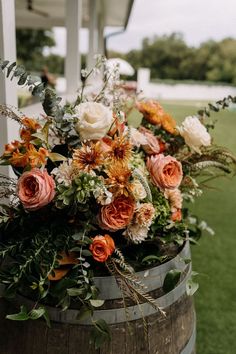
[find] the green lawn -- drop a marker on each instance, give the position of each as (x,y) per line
(215,257)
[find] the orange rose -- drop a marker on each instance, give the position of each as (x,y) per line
(36,189)
(176,215)
(118,214)
(102,247)
(165,171)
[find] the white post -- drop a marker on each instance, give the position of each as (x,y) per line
(101,48)
(93,33)
(8,92)
(73,57)
(143,79)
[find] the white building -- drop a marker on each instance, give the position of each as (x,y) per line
(42,14)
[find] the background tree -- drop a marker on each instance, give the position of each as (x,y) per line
(30,44)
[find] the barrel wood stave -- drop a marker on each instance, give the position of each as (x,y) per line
(173,334)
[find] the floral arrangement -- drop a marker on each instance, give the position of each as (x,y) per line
(94,194)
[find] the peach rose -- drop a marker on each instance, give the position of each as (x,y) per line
(165,171)
(36,189)
(118,214)
(102,247)
(152,146)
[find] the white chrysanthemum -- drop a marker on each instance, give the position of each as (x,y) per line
(144,214)
(194,133)
(94,120)
(137,138)
(136,233)
(64,173)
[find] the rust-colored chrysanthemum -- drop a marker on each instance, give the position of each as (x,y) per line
(118,181)
(19,159)
(37,158)
(151,110)
(168,123)
(88,157)
(29,156)
(12,147)
(119,149)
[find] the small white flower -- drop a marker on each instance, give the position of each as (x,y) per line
(194,133)
(103,196)
(94,120)
(64,173)
(136,233)
(137,138)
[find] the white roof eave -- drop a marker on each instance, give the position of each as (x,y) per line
(115,13)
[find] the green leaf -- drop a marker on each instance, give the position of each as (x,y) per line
(171,279)
(36,313)
(84,313)
(75,291)
(10,68)
(100,333)
(53,156)
(191,285)
(4,64)
(96,303)
(22,80)
(20,316)
(78,236)
(47,319)
(19,70)
(38,89)
(86,253)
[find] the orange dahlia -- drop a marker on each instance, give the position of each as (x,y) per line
(151,110)
(168,123)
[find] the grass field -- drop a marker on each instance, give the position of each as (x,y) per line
(215,257)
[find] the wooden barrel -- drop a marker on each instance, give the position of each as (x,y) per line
(172,334)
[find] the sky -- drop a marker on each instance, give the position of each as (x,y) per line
(197,20)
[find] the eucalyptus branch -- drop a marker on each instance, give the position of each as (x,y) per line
(217,106)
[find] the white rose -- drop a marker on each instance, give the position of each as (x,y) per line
(95,119)
(194,133)
(138,190)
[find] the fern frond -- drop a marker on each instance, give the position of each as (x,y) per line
(206,164)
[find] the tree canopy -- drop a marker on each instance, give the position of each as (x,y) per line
(169,57)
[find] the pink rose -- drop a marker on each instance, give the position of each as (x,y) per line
(165,171)
(36,189)
(152,146)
